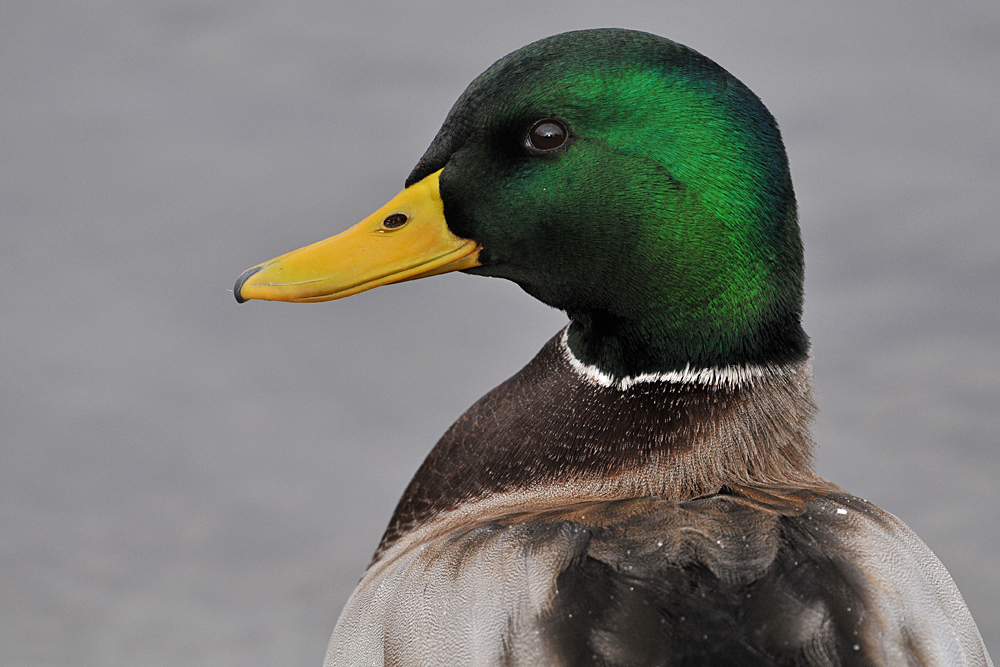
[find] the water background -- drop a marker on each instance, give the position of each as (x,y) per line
(185,481)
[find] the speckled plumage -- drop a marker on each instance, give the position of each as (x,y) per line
(691,539)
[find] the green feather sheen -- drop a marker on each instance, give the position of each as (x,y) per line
(666,228)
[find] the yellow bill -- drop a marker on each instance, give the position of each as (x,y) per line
(405,239)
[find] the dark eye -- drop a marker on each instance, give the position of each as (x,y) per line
(546,135)
(394,221)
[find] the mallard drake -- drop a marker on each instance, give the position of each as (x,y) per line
(641,493)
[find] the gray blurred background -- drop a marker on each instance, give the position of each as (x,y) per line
(186,481)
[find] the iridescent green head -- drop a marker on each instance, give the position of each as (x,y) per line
(623,178)
(664,223)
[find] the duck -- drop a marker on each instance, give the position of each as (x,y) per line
(642,492)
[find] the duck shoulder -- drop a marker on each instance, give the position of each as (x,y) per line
(746,576)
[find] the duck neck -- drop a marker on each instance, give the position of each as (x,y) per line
(623,348)
(562,432)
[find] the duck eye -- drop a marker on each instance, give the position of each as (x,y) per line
(547,135)
(394,221)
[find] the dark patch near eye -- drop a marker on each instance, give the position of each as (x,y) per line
(547,135)
(394,221)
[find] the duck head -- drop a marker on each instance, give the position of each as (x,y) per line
(616,175)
